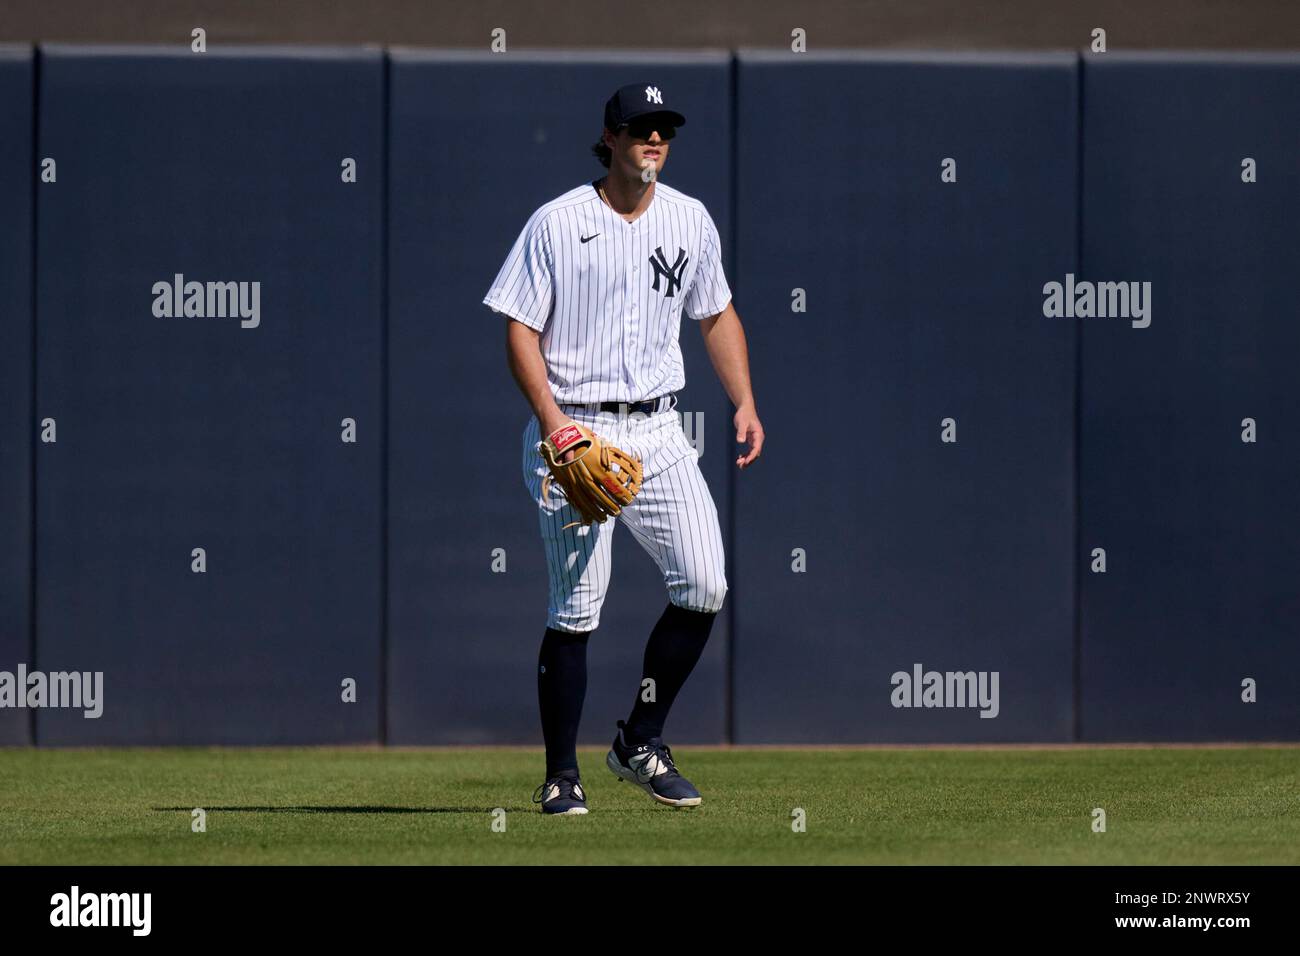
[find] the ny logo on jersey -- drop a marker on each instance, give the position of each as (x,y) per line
(672,273)
(652,95)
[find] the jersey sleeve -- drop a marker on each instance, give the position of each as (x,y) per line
(709,293)
(524,288)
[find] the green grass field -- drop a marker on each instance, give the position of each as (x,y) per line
(327,806)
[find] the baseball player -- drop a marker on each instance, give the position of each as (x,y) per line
(594,291)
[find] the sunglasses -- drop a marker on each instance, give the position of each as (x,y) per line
(641,129)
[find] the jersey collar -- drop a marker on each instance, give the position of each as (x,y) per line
(654,201)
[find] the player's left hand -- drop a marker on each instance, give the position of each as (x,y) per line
(748,430)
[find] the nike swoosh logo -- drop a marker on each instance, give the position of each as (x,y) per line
(646,767)
(589,238)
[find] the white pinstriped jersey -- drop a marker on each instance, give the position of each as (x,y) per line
(607,295)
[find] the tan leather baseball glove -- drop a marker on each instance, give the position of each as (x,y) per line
(599,480)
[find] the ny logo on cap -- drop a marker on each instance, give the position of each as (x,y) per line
(652,95)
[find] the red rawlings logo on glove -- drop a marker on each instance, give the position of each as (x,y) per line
(564,438)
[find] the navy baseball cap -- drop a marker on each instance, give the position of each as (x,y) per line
(638,99)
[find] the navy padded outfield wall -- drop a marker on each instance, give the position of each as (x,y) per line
(861,547)
(923,304)
(222,432)
(1201,530)
(16,105)
(477,143)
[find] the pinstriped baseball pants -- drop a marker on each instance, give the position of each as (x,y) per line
(673,518)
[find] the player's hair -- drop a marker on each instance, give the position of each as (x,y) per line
(602,152)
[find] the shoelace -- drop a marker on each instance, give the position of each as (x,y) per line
(663,755)
(564,783)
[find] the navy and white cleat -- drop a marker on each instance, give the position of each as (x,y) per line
(650,766)
(561,795)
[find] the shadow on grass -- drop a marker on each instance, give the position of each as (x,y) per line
(336,809)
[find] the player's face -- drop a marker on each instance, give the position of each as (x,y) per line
(643,143)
